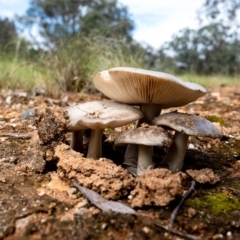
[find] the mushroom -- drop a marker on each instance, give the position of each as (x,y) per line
(184,125)
(98,115)
(152,90)
(144,139)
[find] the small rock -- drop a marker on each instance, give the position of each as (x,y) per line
(146,230)
(191,146)
(191,212)
(217,236)
(41,193)
(71,191)
(82,211)
(31,103)
(83,203)
(28,113)
(8,100)
(104,226)
(21,94)
(18,106)
(38,91)
(130,197)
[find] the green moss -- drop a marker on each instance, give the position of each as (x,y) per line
(232,148)
(215,203)
(213,118)
(221,202)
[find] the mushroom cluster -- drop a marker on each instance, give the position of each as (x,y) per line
(151,91)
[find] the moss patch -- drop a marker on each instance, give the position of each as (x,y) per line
(215,203)
(213,118)
(232,148)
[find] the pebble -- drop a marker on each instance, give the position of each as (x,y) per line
(83,203)
(146,230)
(38,91)
(82,211)
(27,114)
(71,191)
(104,226)
(217,236)
(8,100)
(21,94)
(41,193)
(31,102)
(130,197)
(191,146)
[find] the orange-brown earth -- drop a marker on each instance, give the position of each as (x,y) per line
(38,200)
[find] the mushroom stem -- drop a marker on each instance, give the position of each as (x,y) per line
(176,153)
(95,144)
(77,141)
(150,111)
(144,159)
(130,158)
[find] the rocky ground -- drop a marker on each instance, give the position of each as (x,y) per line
(39,201)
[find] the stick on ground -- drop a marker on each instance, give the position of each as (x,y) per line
(175,211)
(169,227)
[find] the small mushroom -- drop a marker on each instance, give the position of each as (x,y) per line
(144,139)
(98,115)
(151,90)
(184,125)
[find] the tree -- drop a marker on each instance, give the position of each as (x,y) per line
(59,21)
(221,8)
(109,20)
(8,34)
(212,49)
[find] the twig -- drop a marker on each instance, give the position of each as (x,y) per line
(233,190)
(181,234)
(16,135)
(169,227)
(175,211)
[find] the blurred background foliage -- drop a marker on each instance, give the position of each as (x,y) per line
(75,39)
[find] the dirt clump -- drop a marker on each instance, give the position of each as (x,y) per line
(157,187)
(51,123)
(205,175)
(102,175)
(34,158)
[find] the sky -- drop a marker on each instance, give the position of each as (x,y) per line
(155,20)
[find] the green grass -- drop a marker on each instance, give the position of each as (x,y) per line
(69,68)
(21,74)
(211,80)
(74,65)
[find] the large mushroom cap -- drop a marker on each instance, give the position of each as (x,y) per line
(189,124)
(137,86)
(152,136)
(101,114)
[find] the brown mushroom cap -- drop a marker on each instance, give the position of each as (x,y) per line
(138,86)
(152,136)
(188,124)
(101,114)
